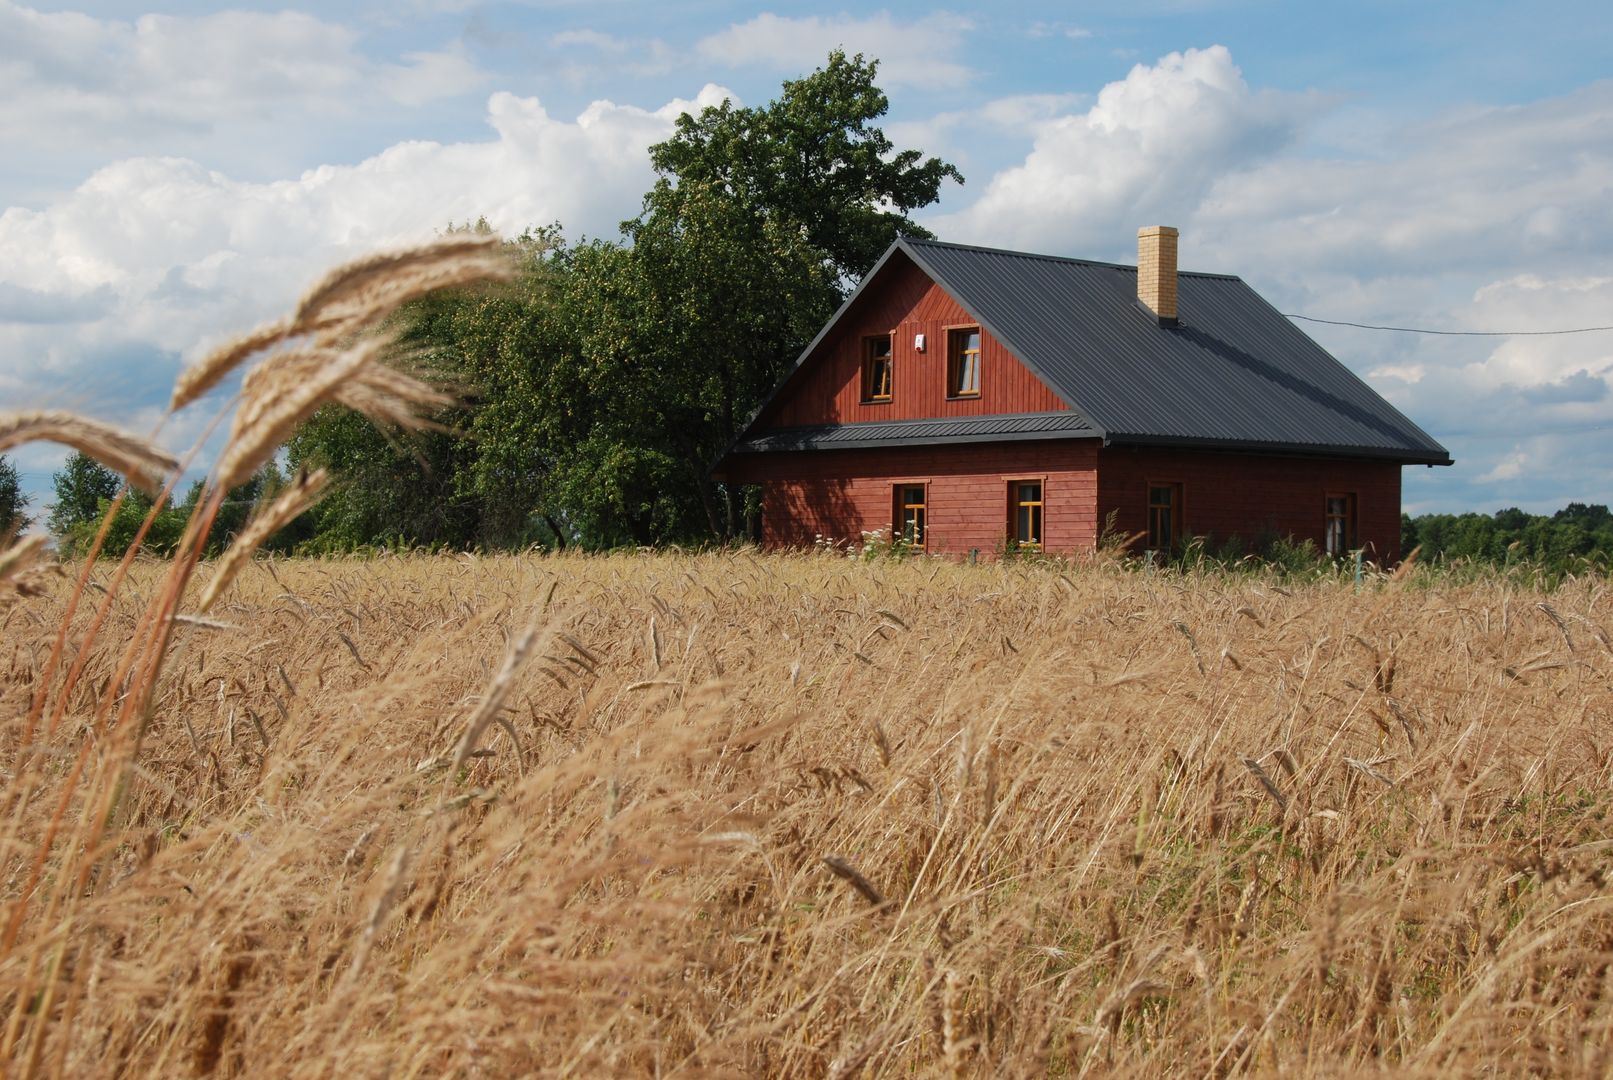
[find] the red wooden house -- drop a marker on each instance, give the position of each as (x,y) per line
(975,399)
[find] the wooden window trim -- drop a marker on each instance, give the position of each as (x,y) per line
(948,332)
(1011,489)
(1351,517)
(866,396)
(1178,511)
(899,505)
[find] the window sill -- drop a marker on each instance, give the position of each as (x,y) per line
(875,401)
(963,397)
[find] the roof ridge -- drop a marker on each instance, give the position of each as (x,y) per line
(1129,268)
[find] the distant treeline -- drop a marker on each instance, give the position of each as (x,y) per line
(1558,542)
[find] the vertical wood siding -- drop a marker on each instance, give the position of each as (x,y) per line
(828,388)
(1254,497)
(840,494)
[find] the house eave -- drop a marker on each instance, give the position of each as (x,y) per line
(934,431)
(1404,455)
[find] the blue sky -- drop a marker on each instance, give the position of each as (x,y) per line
(172,174)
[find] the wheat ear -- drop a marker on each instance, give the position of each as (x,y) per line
(389,396)
(145,466)
(267,418)
(210,370)
(497,690)
(340,294)
(304,492)
(16,559)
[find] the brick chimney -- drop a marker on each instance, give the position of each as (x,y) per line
(1156,270)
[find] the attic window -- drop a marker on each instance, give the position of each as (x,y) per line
(963,362)
(877,368)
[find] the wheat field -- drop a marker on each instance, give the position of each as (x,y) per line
(736,814)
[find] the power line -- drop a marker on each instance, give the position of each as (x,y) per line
(1453,333)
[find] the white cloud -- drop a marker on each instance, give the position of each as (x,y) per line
(102,290)
(1406,373)
(1509,467)
(967,136)
(922,53)
(70,79)
(589,54)
(1149,146)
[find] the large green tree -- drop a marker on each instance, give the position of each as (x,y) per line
(759,220)
(606,381)
(83,488)
(13,501)
(1559,543)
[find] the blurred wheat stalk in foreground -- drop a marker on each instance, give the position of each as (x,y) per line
(333,348)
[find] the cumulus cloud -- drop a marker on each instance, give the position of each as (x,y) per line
(1150,145)
(1509,467)
(922,53)
(150,257)
(70,79)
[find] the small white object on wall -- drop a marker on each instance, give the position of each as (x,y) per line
(918,342)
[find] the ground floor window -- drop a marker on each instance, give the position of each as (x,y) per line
(1164,515)
(910,513)
(1338,534)
(1025,513)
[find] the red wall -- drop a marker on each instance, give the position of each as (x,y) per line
(828,389)
(1254,496)
(840,494)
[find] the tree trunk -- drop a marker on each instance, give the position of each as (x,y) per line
(554,527)
(708,502)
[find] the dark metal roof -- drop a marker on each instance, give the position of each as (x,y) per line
(1007,427)
(1231,373)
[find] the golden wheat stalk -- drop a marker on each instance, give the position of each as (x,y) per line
(304,492)
(267,419)
(363,289)
(389,396)
(145,466)
(209,371)
(497,690)
(359,294)
(268,379)
(385,295)
(17,559)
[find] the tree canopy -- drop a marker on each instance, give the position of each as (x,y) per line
(83,488)
(810,159)
(1557,542)
(13,501)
